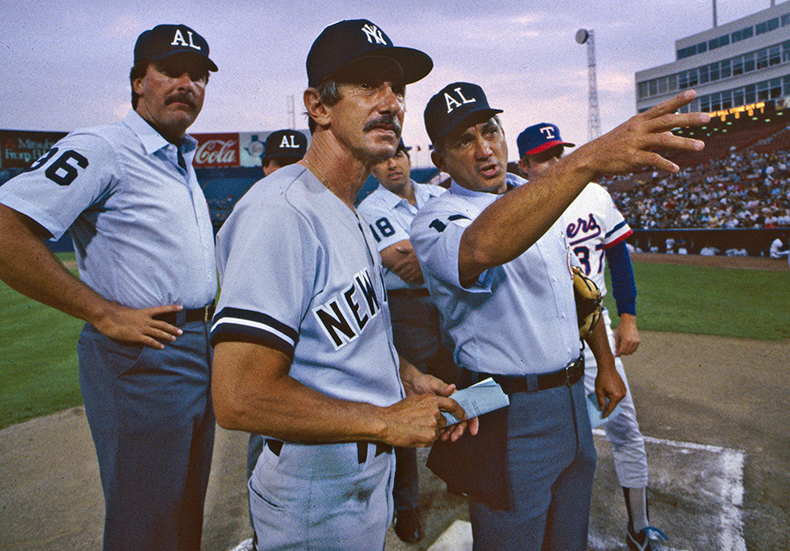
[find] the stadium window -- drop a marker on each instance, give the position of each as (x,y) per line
(774,55)
(653,88)
(786,20)
(748,62)
(662,85)
(724,69)
(693,78)
(683,80)
(736,36)
(702,47)
(737,65)
(672,83)
(762,91)
(642,90)
(761,59)
(750,96)
(767,26)
(726,99)
(786,51)
(786,85)
(703,74)
(738,97)
(715,102)
(704,104)
(775,88)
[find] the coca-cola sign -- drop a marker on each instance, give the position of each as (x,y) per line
(217,150)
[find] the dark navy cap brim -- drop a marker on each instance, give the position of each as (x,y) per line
(211,65)
(481,114)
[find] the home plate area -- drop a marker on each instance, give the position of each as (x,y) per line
(695,495)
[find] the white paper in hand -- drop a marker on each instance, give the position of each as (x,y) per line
(478,399)
(596,419)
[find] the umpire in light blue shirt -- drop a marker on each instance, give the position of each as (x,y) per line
(128,195)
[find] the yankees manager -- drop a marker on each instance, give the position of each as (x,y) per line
(303,343)
(128,195)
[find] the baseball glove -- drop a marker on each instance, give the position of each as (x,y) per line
(588,302)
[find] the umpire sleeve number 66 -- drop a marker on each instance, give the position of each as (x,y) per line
(64,170)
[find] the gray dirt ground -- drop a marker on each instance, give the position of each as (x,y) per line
(727,397)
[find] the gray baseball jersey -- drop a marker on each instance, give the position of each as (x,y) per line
(300,273)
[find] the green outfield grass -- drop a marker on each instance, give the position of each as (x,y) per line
(38,364)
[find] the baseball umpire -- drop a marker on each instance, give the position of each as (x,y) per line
(416,327)
(596,233)
(303,341)
(128,195)
(495,259)
(282,148)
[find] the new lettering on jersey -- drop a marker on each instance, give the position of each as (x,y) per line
(344,317)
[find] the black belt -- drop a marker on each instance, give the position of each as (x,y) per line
(408,293)
(362,448)
(511,384)
(187,316)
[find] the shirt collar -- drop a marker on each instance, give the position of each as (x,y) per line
(511,179)
(151,139)
(392,200)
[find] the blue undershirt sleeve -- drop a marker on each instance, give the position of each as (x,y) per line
(623,282)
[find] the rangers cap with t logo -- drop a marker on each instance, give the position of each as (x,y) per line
(538,138)
(166,40)
(454,104)
(349,41)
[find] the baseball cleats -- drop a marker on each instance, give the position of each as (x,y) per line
(648,539)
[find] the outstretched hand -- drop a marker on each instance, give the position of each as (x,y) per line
(631,145)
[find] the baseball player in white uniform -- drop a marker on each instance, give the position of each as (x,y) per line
(596,232)
(303,343)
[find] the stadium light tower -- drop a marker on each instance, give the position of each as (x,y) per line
(586,36)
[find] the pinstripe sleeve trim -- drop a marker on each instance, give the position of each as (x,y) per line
(236,324)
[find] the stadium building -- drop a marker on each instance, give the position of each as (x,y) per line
(732,66)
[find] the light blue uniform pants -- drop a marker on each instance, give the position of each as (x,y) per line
(321,497)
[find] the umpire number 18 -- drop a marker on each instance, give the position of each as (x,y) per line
(382,228)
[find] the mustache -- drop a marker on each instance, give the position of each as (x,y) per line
(387,122)
(181,97)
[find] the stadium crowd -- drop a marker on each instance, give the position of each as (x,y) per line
(742,190)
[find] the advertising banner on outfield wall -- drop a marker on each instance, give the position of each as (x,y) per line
(19,148)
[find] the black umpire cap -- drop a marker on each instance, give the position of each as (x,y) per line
(166,40)
(290,144)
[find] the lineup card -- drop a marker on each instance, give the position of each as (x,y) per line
(478,399)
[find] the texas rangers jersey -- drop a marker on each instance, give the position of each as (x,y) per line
(389,217)
(139,220)
(518,318)
(593,225)
(300,273)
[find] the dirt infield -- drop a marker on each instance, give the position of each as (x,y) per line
(713,392)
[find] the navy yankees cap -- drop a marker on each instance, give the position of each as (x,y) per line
(165,40)
(352,40)
(538,138)
(453,105)
(285,143)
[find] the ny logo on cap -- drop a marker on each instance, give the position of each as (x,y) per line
(548,131)
(178,40)
(373,33)
(452,103)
